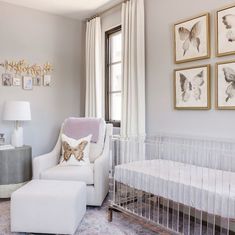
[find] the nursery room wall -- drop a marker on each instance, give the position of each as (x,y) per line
(161,116)
(61,41)
(40,37)
(160,113)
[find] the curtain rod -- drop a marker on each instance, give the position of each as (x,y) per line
(102,12)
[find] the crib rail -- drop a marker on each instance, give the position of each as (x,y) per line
(183,183)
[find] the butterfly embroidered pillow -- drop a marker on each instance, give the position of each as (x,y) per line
(75,152)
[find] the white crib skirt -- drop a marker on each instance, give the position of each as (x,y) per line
(208,190)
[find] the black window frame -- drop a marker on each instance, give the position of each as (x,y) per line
(107,75)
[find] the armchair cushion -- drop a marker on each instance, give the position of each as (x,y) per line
(72,173)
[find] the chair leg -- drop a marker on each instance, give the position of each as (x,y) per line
(110,214)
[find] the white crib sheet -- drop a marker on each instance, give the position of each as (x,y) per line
(202,188)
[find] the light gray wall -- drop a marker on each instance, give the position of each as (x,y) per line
(111,19)
(161,116)
(40,37)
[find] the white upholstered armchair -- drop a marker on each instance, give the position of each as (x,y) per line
(95,175)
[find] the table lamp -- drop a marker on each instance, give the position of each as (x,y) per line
(17,111)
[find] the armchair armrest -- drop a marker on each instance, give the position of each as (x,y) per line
(46,161)
(101,167)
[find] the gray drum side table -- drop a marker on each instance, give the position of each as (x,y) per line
(15,169)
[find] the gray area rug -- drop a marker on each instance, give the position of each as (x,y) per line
(94,223)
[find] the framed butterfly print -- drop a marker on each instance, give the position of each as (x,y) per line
(192,39)
(225,85)
(225,31)
(192,88)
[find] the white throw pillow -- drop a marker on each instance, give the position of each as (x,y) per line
(75,152)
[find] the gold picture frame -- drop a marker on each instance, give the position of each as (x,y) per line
(201,87)
(37,81)
(180,39)
(7,79)
(16,81)
(47,80)
(27,83)
(220,92)
(222,30)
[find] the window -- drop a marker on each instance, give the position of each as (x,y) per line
(113,76)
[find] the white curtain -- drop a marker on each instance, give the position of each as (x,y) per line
(94,80)
(133,58)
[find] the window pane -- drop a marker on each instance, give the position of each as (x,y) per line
(115,78)
(116,47)
(115,106)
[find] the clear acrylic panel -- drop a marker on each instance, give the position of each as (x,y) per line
(115,106)
(116,47)
(115,78)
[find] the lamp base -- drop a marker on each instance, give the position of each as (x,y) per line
(17,137)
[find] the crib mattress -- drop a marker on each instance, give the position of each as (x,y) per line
(205,189)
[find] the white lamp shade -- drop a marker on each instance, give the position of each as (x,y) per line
(17,111)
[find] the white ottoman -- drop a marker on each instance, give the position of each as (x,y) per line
(48,206)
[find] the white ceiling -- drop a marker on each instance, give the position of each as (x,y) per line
(78,9)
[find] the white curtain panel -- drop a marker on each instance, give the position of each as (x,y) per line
(94,80)
(133,58)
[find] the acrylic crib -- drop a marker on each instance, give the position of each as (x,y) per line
(183,184)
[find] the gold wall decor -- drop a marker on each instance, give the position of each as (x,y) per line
(21,66)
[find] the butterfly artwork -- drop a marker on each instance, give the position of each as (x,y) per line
(192,88)
(229,75)
(77,152)
(226,85)
(226,31)
(192,39)
(229,24)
